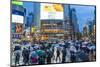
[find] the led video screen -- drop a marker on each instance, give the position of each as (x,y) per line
(52,33)
(51,11)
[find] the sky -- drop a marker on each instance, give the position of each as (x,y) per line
(28,6)
(83,13)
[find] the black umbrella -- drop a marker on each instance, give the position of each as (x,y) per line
(17,48)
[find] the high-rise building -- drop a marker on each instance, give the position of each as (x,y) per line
(52,24)
(91,29)
(74,23)
(30,18)
(36,10)
(74,20)
(66,17)
(90,26)
(85,31)
(68,27)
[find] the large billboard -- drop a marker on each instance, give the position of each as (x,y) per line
(17,18)
(17,28)
(51,11)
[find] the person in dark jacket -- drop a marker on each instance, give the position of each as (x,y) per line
(49,56)
(58,54)
(17,56)
(64,55)
(25,54)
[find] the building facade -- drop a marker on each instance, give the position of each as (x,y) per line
(74,23)
(18,19)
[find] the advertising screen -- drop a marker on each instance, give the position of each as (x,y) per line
(51,11)
(17,18)
(17,28)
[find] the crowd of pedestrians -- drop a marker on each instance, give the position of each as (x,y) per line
(48,52)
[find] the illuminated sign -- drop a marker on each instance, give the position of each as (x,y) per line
(52,31)
(17,18)
(33,29)
(51,11)
(18,28)
(18,36)
(17,3)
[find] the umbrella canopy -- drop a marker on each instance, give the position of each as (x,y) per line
(36,47)
(17,48)
(82,56)
(85,43)
(34,54)
(56,45)
(40,52)
(92,47)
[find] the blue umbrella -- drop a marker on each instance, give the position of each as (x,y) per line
(40,52)
(34,54)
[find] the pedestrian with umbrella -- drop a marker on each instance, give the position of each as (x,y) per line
(42,56)
(17,48)
(33,57)
(82,56)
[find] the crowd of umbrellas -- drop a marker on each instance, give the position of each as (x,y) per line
(46,52)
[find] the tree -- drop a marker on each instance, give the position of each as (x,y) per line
(78,35)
